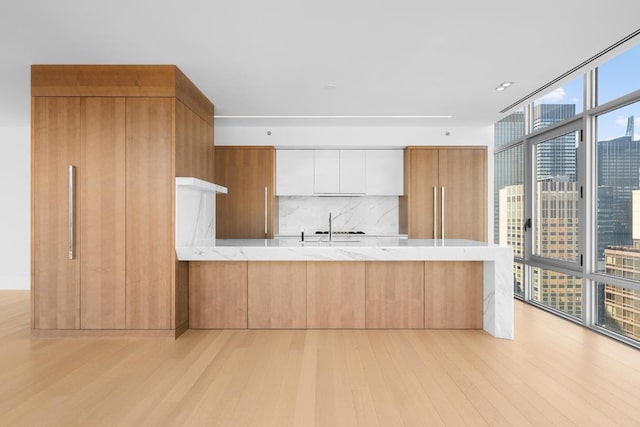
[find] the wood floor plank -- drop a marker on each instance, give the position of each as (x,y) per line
(553,373)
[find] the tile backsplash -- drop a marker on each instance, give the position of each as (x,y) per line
(371,214)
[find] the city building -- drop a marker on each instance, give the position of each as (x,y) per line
(621,311)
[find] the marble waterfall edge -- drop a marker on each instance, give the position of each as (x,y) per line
(196,212)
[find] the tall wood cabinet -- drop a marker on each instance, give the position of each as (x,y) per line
(249,209)
(107,144)
(445,192)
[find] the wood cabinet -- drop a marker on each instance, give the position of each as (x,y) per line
(336,294)
(128,131)
(102,212)
(247,210)
(446,193)
(218,295)
(395,294)
(277,294)
(453,297)
(57,128)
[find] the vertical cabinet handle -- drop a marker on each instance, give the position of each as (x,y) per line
(442,221)
(265,213)
(435,210)
(72,218)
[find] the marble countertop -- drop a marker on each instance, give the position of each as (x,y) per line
(345,249)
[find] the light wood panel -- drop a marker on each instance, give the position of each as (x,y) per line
(277,293)
(462,172)
(102,213)
(318,377)
(422,178)
(149,183)
(120,80)
(453,295)
(218,294)
(191,96)
(194,145)
(464,178)
(181,297)
(56,139)
(336,294)
(395,294)
(245,171)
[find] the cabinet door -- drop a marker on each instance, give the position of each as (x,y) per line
(352,171)
(395,294)
(335,294)
(423,179)
(277,294)
(453,295)
(149,207)
(326,171)
(56,278)
(384,172)
(218,294)
(294,172)
(246,172)
(102,213)
(462,173)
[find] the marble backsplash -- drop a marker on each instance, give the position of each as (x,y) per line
(371,214)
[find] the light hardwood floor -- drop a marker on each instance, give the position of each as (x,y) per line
(553,373)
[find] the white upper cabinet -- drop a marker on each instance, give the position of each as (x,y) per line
(326,171)
(294,172)
(352,172)
(384,172)
(336,172)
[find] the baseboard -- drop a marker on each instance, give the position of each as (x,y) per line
(102,333)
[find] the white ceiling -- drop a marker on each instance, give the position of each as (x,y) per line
(257,57)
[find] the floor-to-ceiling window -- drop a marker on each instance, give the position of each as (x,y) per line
(567,197)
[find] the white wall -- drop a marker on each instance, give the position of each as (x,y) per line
(288,135)
(15,213)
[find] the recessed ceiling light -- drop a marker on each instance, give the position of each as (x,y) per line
(503,86)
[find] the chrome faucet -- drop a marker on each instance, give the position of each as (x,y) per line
(330,226)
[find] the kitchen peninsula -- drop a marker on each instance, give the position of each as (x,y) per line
(366,283)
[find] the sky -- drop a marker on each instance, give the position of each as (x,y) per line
(616,77)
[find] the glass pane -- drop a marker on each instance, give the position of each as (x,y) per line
(556,201)
(509,129)
(509,199)
(557,290)
(558,105)
(618,169)
(518,278)
(619,310)
(619,76)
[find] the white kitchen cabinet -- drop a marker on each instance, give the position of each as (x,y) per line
(352,172)
(326,171)
(335,172)
(384,172)
(294,172)
(339,172)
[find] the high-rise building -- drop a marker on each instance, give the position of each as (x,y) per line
(556,236)
(510,229)
(618,175)
(621,308)
(555,159)
(509,129)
